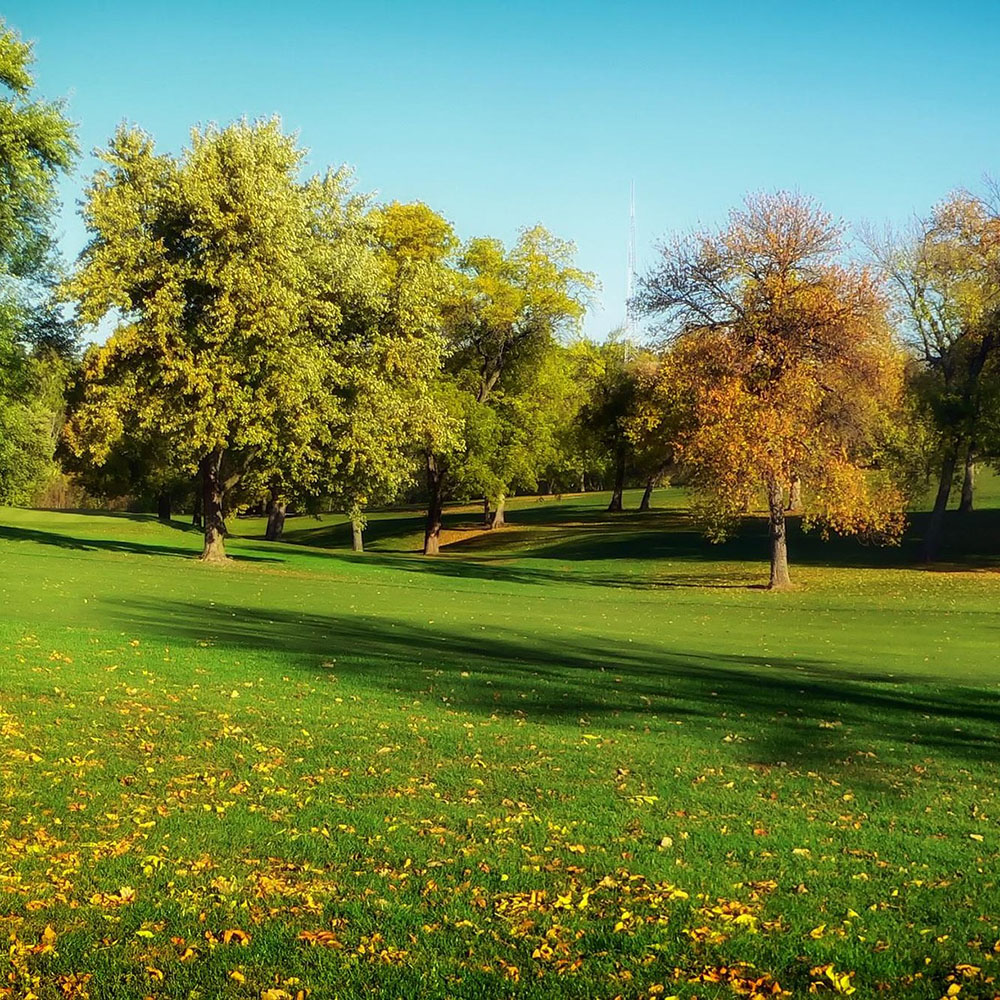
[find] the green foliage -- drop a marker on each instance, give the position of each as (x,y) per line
(29,429)
(37,144)
(512,306)
(503,388)
(222,347)
(390,277)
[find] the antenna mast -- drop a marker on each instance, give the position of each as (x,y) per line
(630,317)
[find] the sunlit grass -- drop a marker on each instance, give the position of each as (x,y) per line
(583,757)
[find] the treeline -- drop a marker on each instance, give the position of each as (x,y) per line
(279,343)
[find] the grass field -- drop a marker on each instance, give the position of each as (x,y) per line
(585,756)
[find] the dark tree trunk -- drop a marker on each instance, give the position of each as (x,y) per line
(647,494)
(163,506)
(497,520)
(211,499)
(486,512)
(196,520)
(275,518)
(935,525)
(435,487)
(780,580)
(968,481)
(357,535)
(795,493)
(619,487)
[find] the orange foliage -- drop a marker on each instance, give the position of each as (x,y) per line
(782,366)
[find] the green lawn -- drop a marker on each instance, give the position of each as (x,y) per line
(585,756)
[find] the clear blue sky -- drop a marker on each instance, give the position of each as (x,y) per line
(502,115)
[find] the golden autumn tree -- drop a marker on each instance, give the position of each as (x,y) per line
(781,368)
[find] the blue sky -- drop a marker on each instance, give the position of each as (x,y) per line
(503,115)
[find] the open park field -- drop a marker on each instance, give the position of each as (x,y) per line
(582,756)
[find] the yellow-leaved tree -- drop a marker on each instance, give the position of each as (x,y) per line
(782,370)
(222,353)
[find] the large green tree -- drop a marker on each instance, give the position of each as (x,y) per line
(220,345)
(37,145)
(386,272)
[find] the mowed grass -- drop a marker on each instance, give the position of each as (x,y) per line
(585,756)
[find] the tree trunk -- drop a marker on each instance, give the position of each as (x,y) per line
(196,520)
(357,535)
(486,512)
(780,580)
(163,506)
(969,481)
(619,488)
(794,493)
(211,499)
(935,526)
(497,521)
(275,518)
(583,482)
(647,494)
(435,487)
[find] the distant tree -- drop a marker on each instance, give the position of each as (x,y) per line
(37,145)
(648,427)
(782,366)
(946,276)
(512,439)
(507,312)
(219,347)
(139,471)
(607,372)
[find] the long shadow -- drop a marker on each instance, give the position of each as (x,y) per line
(786,702)
(385,532)
(972,542)
(121,515)
(610,555)
(9,533)
(387,529)
(578,532)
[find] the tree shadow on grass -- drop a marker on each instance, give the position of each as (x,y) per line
(120,515)
(605,550)
(12,534)
(972,541)
(805,713)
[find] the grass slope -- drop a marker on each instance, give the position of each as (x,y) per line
(581,757)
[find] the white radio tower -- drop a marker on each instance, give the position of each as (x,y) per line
(630,318)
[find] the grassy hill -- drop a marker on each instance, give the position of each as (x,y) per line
(585,756)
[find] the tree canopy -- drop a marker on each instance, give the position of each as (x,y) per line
(219,346)
(783,366)
(37,146)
